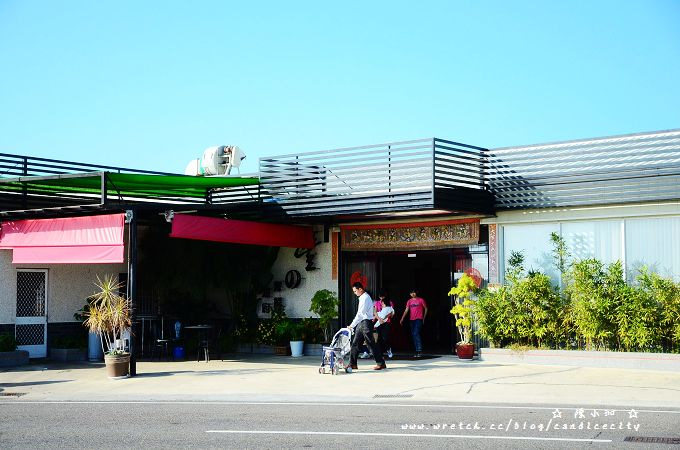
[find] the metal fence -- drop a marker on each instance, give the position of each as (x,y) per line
(27,166)
(396,176)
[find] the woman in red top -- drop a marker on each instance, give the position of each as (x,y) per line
(417,309)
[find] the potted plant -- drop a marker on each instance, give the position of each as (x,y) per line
(287,334)
(325,305)
(297,340)
(463,310)
(109,317)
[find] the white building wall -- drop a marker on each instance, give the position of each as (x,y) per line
(69,285)
(297,301)
(8,288)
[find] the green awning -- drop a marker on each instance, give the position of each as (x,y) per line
(126,184)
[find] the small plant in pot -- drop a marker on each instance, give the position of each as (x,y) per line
(325,305)
(290,332)
(463,311)
(109,317)
(294,332)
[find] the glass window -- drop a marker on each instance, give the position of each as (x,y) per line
(533,240)
(654,242)
(599,239)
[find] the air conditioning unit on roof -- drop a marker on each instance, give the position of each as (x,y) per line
(216,161)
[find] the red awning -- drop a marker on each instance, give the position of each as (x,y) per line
(75,240)
(241,232)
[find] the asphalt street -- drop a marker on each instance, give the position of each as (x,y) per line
(389,424)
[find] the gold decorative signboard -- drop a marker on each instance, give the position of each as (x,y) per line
(410,236)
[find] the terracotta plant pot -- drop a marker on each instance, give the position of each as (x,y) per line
(465,351)
(117,366)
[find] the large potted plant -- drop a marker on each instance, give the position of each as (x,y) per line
(463,311)
(325,305)
(297,340)
(292,332)
(109,317)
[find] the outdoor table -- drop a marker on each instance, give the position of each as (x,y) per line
(204,342)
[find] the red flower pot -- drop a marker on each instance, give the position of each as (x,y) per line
(465,351)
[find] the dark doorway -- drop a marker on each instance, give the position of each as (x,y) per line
(430,272)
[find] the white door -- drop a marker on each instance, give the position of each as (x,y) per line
(31,318)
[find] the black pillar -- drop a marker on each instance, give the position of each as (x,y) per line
(132,286)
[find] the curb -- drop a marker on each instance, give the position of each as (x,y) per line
(613,360)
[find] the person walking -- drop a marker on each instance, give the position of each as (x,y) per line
(417,310)
(383,313)
(363,329)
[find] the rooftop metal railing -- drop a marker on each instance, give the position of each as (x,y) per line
(395,176)
(23,166)
(619,169)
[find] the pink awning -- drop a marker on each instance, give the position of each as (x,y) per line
(241,232)
(75,240)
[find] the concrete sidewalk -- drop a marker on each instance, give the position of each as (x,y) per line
(277,378)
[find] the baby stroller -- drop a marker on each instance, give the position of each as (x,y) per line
(336,356)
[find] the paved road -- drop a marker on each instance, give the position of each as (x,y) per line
(390,424)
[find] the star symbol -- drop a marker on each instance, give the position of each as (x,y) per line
(557,413)
(632,414)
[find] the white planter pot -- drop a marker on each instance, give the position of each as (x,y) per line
(94,348)
(296,348)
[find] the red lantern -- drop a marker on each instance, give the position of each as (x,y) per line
(360,278)
(475,275)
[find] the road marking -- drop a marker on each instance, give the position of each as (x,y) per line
(447,436)
(389,405)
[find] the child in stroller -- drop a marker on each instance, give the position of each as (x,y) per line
(336,356)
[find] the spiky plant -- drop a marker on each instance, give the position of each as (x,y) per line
(109,314)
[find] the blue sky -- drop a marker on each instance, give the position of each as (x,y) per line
(151,84)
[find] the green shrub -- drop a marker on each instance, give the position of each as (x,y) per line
(666,294)
(595,309)
(7,343)
(595,294)
(493,313)
(312,332)
(539,308)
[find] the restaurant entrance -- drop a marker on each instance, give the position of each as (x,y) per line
(430,272)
